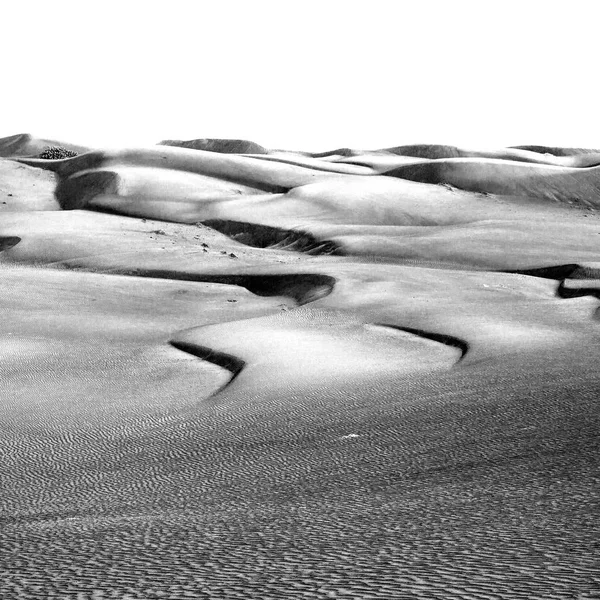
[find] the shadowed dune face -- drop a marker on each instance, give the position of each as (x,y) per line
(262,236)
(218,145)
(558,184)
(370,374)
(6,243)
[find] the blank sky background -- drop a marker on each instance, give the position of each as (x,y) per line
(302,75)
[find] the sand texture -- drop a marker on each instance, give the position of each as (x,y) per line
(234,372)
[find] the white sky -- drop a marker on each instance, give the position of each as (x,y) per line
(310,75)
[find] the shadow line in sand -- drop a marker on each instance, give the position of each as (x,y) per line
(558,272)
(566,292)
(441,338)
(231,363)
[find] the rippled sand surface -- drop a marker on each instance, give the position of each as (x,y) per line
(355,374)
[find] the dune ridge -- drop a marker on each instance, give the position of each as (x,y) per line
(233,364)
(559,184)
(224,146)
(518,154)
(448,340)
(557,151)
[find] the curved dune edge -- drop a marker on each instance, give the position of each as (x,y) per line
(575,280)
(304,346)
(187,341)
(448,340)
(569,271)
(224,146)
(231,363)
(568,289)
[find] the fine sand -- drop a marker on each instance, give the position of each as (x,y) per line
(234,372)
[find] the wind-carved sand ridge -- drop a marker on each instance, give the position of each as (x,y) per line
(262,236)
(229,371)
(448,340)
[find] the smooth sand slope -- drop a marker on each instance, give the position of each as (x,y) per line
(24,188)
(291,375)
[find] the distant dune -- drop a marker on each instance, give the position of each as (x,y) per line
(236,372)
(558,151)
(217,145)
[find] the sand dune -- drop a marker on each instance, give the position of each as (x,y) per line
(218,145)
(413,212)
(493,176)
(362,374)
(526,154)
(27,145)
(557,151)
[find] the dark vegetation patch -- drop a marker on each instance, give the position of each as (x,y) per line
(56,153)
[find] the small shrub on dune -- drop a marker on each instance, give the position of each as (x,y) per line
(56,152)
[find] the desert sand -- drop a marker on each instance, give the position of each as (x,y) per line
(234,372)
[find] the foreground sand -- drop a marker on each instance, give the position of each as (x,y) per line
(348,375)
